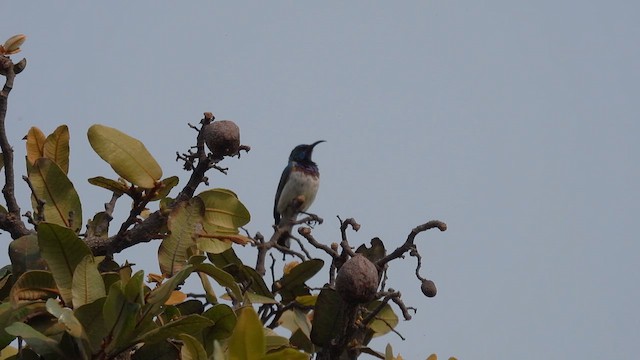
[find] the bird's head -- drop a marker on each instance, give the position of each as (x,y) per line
(302,153)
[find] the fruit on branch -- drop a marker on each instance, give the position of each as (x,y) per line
(428,288)
(222,138)
(357,280)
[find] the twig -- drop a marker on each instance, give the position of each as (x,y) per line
(11,221)
(409,243)
(306,233)
(343,230)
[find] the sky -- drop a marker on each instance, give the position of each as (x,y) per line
(516,123)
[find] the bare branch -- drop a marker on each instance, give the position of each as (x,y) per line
(9,221)
(409,243)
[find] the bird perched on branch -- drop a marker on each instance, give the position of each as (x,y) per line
(297,188)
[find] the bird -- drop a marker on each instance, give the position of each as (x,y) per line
(300,180)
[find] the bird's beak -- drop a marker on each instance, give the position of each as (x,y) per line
(317,142)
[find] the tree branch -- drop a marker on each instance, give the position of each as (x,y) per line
(10,221)
(409,243)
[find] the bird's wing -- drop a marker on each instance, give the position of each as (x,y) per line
(283,180)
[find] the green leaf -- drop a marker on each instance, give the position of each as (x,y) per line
(299,340)
(33,285)
(287,353)
(213,246)
(21,312)
(120,318)
(191,348)
(165,187)
(66,317)
(87,283)
(25,255)
(109,184)
(190,324)
(224,319)
(293,284)
(273,341)
(43,345)
(385,321)
(226,258)
(209,293)
(128,157)
(61,202)
(63,251)
(134,288)
(221,277)
(247,341)
(184,223)
(302,321)
(56,147)
(92,320)
(223,209)
(388,352)
(35,144)
(158,296)
(307,300)
(163,350)
(328,318)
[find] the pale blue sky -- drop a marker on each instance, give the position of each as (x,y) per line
(514,122)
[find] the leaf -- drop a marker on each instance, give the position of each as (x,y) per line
(190,324)
(128,157)
(163,350)
(375,252)
(191,348)
(120,318)
(61,202)
(176,297)
(184,223)
(111,185)
(165,188)
(66,317)
(307,300)
(292,284)
(287,353)
(299,340)
(209,293)
(41,344)
(98,227)
(388,352)
(92,320)
(56,147)
(25,255)
(328,318)
(224,319)
(247,341)
(33,285)
(159,296)
(213,246)
(302,322)
(221,277)
(385,321)
(223,209)
(63,251)
(87,284)
(35,144)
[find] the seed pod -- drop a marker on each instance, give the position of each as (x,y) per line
(428,288)
(357,280)
(222,138)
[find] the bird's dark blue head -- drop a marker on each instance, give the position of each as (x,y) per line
(302,153)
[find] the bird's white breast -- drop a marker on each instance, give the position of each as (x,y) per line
(298,184)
